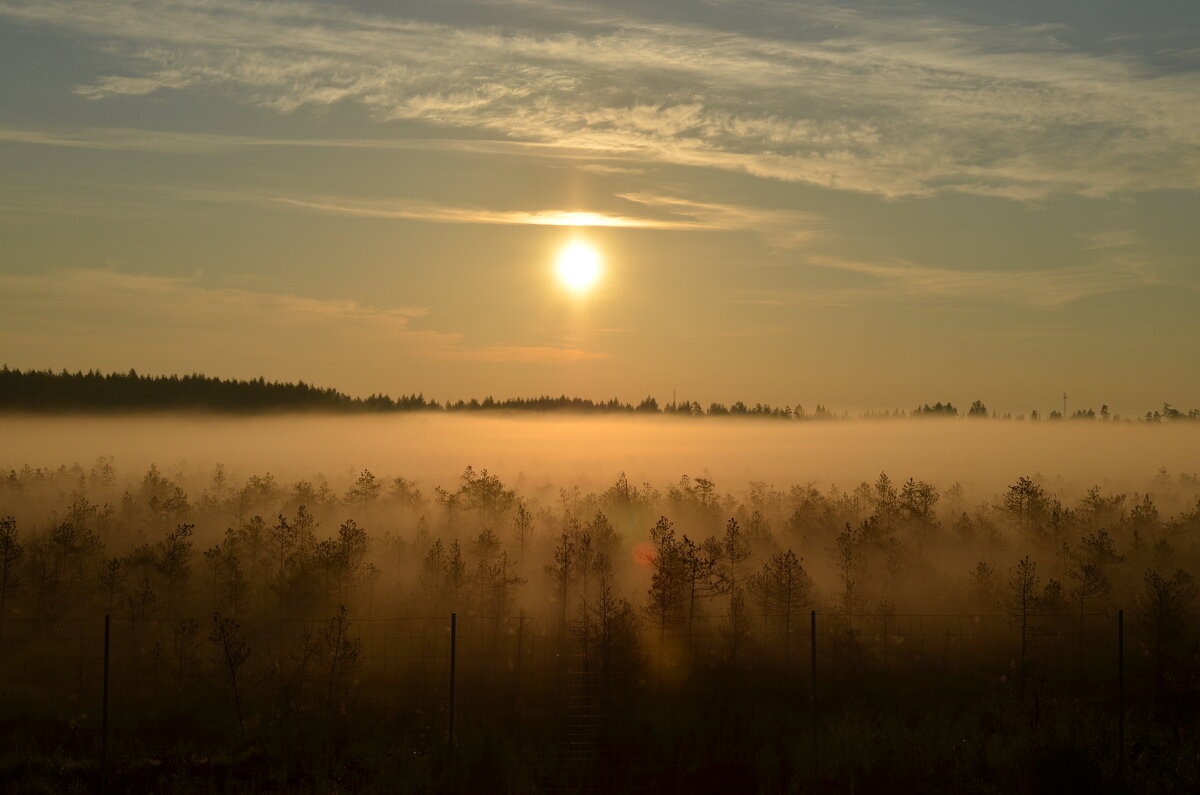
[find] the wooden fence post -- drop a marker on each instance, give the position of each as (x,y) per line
(453,662)
(104,703)
(812,644)
(1121,700)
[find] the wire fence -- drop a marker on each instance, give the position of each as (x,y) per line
(434,673)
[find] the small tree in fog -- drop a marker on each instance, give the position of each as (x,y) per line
(735,549)
(283,542)
(431,578)
(449,502)
(984,585)
(495,577)
(1162,609)
(885,499)
(293,546)
(737,626)
(1143,517)
(522,531)
(11,551)
(606,541)
(404,493)
(342,653)
(917,501)
(292,670)
(1097,510)
(185,648)
(232,653)
(666,578)
(782,587)
(486,546)
(1023,603)
(1026,503)
(1053,600)
(443,575)
(701,579)
(141,602)
(608,630)
(1091,585)
(343,559)
(848,559)
(230,585)
(172,560)
(304,526)
(561,573)
(585,558)
(485,494)
(365,490)
(455,574)
(1098,547)
(252,540)
(103,474)
(112,576)
(60,565)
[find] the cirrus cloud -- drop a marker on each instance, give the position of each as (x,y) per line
(894,103)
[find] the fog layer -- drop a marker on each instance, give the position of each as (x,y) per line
(589,452)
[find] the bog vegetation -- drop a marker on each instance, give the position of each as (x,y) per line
(683,634)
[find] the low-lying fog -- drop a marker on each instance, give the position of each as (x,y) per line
(421,515)
(983,455)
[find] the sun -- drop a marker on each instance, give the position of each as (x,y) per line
(578,267)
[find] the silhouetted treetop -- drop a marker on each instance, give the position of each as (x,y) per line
(34,390)
(93,391)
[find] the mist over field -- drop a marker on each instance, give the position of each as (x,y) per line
(932,514)
(289,581)
(590,452)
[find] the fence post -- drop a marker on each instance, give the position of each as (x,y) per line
(812,645)
(453,660)
(1121,700)
(104,702)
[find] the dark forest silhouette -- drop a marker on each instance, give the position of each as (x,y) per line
(93,391)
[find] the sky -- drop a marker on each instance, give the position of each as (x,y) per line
(863,205)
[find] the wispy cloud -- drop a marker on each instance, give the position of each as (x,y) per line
(420,211)
(191,142)
(1110,238)
(110,299)
(79,318)
(782,228)
(1046,288)
(524,353)
(894,103)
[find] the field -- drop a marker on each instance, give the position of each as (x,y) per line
(648,605)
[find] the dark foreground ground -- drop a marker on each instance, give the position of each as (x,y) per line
(915,723)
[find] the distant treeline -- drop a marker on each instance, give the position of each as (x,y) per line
(64,391)
(44,390)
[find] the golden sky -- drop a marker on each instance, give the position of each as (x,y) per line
(858,204)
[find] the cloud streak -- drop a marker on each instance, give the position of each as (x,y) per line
(895,104)
(782,228)
(1048,288)
(419,211)
(79,318)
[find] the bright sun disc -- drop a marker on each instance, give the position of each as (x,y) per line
(578,267)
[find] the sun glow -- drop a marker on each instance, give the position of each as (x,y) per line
(578,267)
